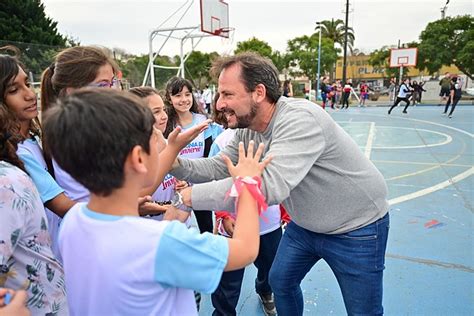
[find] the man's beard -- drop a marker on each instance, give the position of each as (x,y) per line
(246,120)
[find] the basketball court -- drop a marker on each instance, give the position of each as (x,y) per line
(427,161)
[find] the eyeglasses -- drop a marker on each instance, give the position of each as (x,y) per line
(115,83)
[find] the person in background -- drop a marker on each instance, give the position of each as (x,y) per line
(207,97)
(445,84)
(183,111)
(403,95)
(454,95)
(287,88)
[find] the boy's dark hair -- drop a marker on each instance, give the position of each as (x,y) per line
(255,70)
(91,132)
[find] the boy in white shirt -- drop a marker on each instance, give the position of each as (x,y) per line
(115,262)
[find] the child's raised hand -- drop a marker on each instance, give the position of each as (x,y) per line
(179,139)
(248,164)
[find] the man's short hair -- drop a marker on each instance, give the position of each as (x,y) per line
(255,70)
(91,132)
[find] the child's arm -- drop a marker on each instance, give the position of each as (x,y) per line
(176,141)
(60,204)
(244,244)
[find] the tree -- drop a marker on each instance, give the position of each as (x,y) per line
(280,60)
(197,67)
(134,68)
(448,41)
(335,31)
(25,25)
(254,45)
(302,53)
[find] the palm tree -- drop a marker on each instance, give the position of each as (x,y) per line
(335,30)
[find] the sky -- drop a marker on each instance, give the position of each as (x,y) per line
(127,24)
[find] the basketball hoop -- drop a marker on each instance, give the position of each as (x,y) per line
(224,31)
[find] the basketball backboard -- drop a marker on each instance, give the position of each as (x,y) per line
(215,17)
(403,57)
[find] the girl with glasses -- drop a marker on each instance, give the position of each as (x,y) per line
(74,68)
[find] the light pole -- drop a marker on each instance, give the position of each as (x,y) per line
(443,10)
(319,62)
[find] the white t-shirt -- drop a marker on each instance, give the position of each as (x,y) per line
(207,96)
(404,91)
(31,154)
(127,265)
(73,189)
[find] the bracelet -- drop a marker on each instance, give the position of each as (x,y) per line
(253,185)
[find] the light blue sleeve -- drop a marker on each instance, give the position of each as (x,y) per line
(215,150)
(44,182)
(213,131)
(187,259)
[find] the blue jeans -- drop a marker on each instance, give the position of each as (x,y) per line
(356,258)
(225,298)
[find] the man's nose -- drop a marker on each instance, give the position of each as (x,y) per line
(220,105)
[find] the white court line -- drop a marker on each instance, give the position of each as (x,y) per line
(447,164)
(438,186)
(370,140)
(432,189)
(447,140)
(436,166)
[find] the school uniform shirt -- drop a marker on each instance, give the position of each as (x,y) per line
(128,265)
(30,152)
(196,148)
(164,193)
(404,91)
(270,219)
(73,189)
(26,259)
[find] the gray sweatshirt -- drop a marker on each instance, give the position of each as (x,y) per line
(318,172)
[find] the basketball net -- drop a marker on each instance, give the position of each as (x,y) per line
(227,41)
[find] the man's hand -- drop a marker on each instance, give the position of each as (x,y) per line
(186,194)
(172,213)
(180,185)
(178,139)
(228,223)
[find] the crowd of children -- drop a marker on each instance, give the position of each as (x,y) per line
(84,195)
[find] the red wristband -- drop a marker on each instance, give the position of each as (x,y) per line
(253,185)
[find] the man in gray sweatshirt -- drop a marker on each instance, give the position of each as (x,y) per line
(335,196)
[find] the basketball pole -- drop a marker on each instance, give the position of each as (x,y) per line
(401,75)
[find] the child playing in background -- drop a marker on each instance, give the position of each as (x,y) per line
(117,263)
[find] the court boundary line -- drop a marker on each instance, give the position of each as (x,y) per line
(433,188)
(438,186)
(370,140)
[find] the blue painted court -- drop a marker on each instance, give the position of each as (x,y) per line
(427,161)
